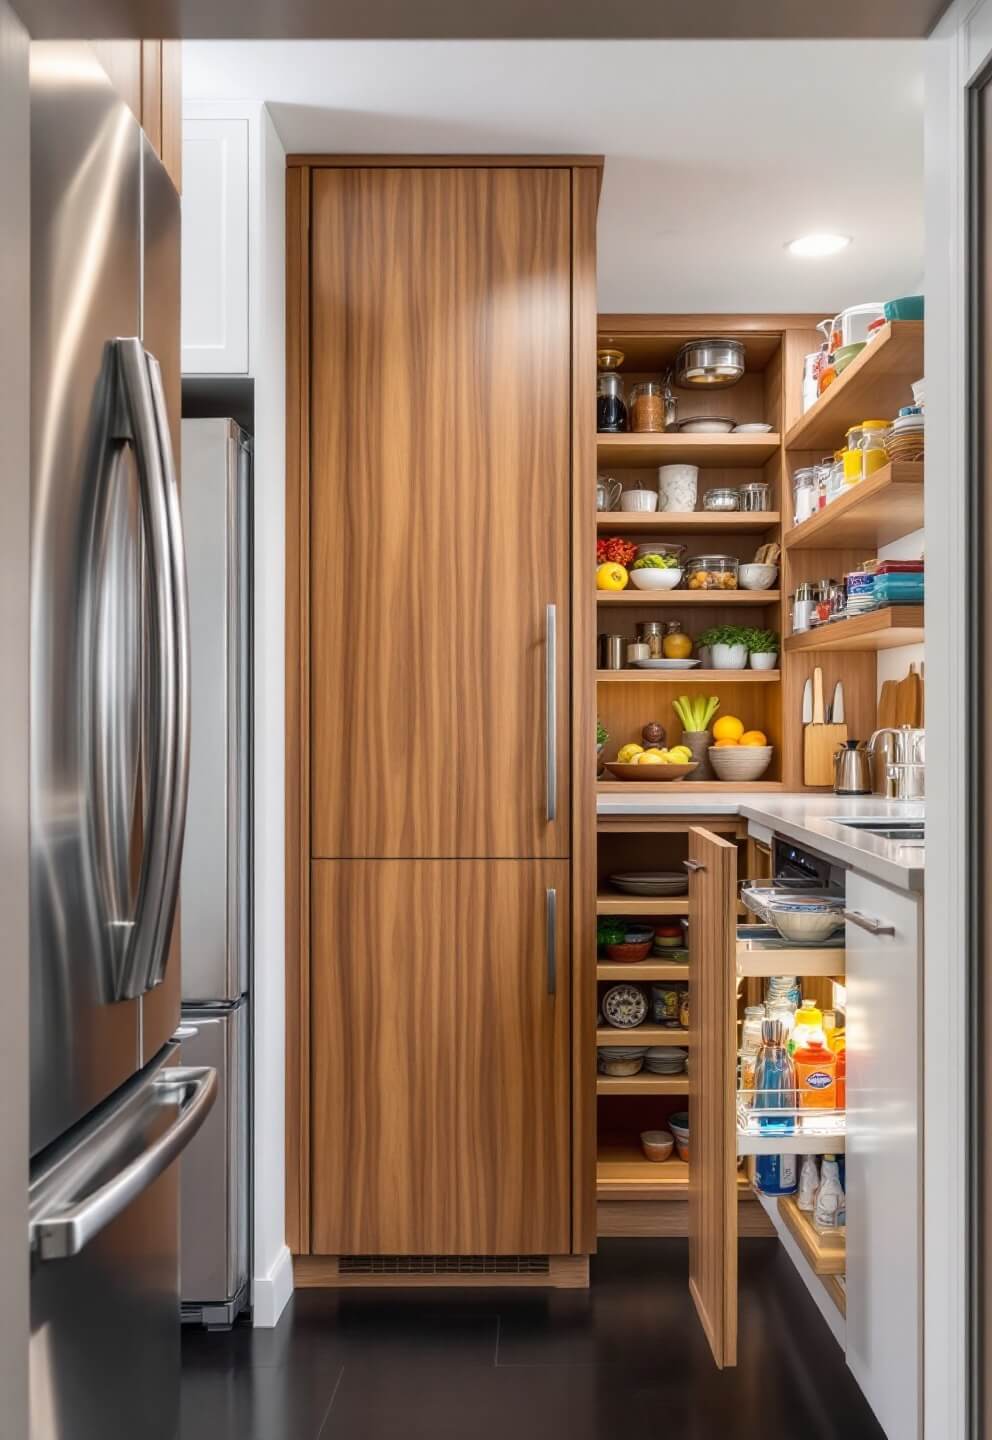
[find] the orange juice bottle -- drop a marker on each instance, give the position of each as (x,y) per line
(816,1076)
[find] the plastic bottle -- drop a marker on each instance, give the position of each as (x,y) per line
(809,1183)
(816,1076)
(750,1044)
(840,1050)
(808,1026)
(775,1081)
(830,1209)
(776,1174)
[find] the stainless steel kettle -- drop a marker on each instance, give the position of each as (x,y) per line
(852,769)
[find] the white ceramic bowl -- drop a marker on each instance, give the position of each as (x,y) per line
(757,577)
(655,579)
(809,927)
(740,762)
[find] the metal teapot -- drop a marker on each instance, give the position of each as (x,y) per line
(852,769)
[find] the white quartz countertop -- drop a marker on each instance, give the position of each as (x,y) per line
(807,819)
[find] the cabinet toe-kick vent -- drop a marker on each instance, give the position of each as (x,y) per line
(443,1265)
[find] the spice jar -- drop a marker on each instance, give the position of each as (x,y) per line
(647,407)
(873,454)
(611,411)
(652,633)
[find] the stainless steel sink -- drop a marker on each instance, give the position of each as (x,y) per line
(887,827)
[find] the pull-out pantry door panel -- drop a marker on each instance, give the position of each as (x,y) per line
(440,480)
(440,1016)
(712,1085)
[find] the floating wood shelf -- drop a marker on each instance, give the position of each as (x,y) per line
(689,677)
(642,1035)
(884,629)
(886,506)
(825,1254)
(661,788)
(623,1173)
(687,597)
(723,451)
(876,383)
(643,1083)
(685,522)
(608,903)
(641,970)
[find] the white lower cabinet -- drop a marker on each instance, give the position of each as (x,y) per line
(885,1151)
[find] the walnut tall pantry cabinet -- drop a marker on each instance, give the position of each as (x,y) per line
(441,322)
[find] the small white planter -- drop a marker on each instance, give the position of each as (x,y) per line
(729,657)
(765,661)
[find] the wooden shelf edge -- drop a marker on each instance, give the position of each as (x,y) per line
(640,905)
(688,677)
(882,358)
(642,1084)
(688,597)
(637,451)
(685,522)
(900,481)
(607,970)
(685,787)
(825,1254)
(885,629)
(643,1035)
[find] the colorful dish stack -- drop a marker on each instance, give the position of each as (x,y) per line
(904,441)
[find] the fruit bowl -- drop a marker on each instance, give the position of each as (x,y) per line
(650,579)
(739,762)
(650,772)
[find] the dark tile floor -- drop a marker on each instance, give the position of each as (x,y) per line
(625,1357)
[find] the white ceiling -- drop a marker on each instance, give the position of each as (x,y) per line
(717,152)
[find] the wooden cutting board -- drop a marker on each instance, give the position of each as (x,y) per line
(820,741)
(887,705)
(909,700)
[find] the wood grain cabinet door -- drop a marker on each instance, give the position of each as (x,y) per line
(440,1032)
(440,499)
(712,1087)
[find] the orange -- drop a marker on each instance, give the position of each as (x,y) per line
(726,745)
(728,727)
(753,737)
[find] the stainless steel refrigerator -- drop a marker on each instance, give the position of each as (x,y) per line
(216,904)
(112,1109)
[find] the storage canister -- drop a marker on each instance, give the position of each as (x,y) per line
(678,486)
(721,498)
(755,496)
(872,446)
(804,494)
(647,407)
(652,634)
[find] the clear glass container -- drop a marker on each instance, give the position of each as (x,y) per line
(611,407)
(835,479)
(804,486)
(652,634)
(676,645)
(711,572)
(721,498)
(851,455)
(872,446)
(755,496)
(647,407)
(775,1079)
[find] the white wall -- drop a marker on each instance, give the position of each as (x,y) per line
(893,664)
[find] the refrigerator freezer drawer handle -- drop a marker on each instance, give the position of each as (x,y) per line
(70,1228)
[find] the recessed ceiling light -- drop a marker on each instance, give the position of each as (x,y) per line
(814,245)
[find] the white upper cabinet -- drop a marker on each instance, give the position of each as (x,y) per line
(215,247)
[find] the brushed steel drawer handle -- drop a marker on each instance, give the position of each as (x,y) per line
(551,709)
(694,865)
(866,922)
(551,921)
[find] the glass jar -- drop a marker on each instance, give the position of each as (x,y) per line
(611,409)
(804,487)
(802,608)
(755,496)
(652,634)
(851,455)
(647,407)
(711,572)
(873,452)
(721,498)
(676,644)
(835,480)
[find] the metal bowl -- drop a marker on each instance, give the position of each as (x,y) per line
(711,364)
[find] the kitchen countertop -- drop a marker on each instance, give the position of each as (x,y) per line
(809,819)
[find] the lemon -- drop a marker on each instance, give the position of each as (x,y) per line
(753,737)
(629,753)
(728,727)
(648,758)
(611,576)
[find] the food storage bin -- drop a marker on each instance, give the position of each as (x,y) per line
(755,496)
(711,572)
(647,407)
(721,499)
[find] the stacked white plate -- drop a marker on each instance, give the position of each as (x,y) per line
(665,1059)
(659,883)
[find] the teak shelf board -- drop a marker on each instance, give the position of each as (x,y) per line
(876,383)
(640,970)
(689,677)
(622,1172)
(686,787)
(685,522)
(886,506)
(643,1083)
(634,452)
(885,629)
(825,1254)
(688,597)
(642,1035)
(608,903)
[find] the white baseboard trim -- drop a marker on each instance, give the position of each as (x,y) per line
(271,1293)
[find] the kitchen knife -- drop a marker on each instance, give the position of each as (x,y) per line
(837,707)
(808,702)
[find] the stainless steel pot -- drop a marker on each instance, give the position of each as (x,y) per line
(710,364)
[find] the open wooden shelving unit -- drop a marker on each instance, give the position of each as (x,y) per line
(875,385)
(885,629)
(686,522)
(682,598)
(722,451)
(882,508)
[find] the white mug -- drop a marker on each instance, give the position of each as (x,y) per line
(639,500)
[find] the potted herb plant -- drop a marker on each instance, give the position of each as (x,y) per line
(728,646)
(763,646)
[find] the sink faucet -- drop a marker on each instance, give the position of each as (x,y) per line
(904,759)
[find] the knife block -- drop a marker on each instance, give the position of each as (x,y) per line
(820,745)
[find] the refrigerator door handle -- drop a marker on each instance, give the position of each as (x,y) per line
(137,424)
(69,1227)
(176,557)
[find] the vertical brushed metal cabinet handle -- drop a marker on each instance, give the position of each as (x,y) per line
(551,925)
(551,709)
(867,922)
(694,865)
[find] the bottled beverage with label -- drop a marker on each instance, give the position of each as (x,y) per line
(808,1026)
(809,1182)
(816,1076)
(830,1209)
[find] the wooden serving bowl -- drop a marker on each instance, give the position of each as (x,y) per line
(650,772)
